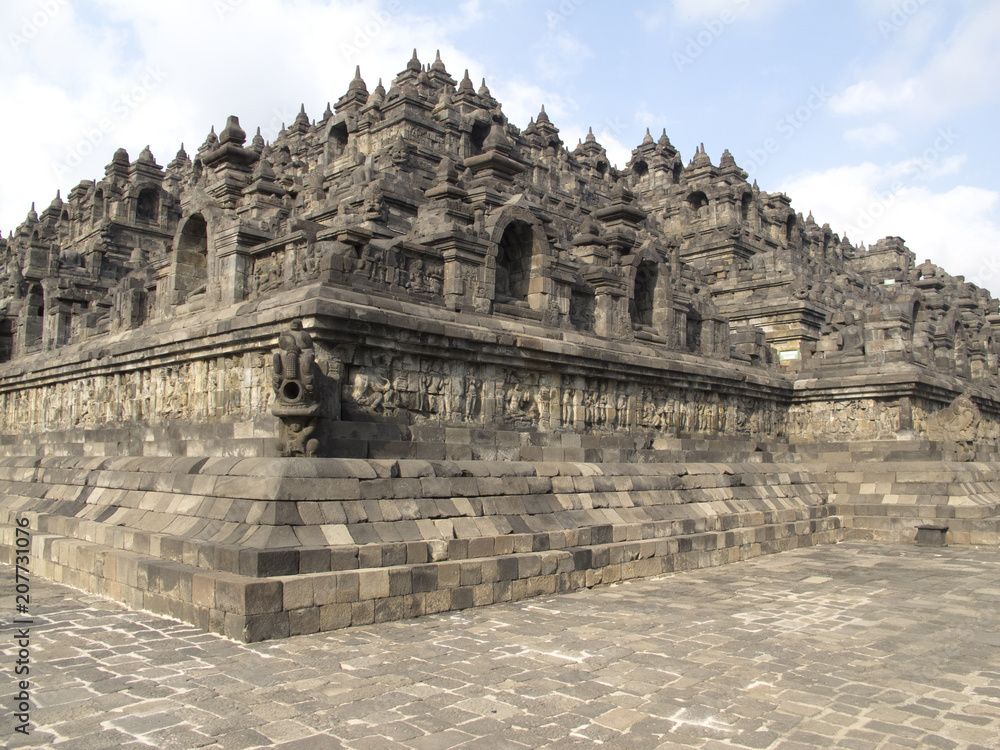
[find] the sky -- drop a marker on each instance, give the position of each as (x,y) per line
(879,116)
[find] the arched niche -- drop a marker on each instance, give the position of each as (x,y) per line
(480,130)
(147,206)
(191,258)
(698,203)
(97,211)
(34,316)
(515,260)
(693,332)
(643,300)
(745,203)
(336,141)
(790,228)
(916,316)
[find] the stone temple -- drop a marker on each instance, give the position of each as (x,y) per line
(410,358)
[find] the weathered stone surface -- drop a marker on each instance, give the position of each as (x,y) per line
(411,358)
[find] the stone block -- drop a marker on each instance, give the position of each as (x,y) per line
(373,584)
(347,586)
(335,616)
(297,593)
(304,621)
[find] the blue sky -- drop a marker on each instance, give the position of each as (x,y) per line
(878,115)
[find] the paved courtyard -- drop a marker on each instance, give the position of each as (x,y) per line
(848,646)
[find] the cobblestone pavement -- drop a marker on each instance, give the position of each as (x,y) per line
(848,646)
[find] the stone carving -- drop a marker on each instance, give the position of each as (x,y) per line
(296,403)
(958,422)
(480,235)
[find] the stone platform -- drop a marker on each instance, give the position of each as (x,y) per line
(261,548)
(851,645)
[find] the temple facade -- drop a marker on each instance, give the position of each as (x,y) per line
(414,278)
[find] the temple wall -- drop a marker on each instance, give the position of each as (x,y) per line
(855,419)
(406,364)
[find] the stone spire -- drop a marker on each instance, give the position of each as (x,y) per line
(701,159)
(414,63)
(545,127)
(439,74)
(358,83)
(438,66)
(301,124)
(211,141)
(180,161)
(446,182)
(257,144)
(466,92)
(233,133)
(118,168)
(356,96)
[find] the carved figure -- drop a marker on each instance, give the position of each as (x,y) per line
(296,403)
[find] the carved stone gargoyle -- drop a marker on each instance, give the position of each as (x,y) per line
(296,403)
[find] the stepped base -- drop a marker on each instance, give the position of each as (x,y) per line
(265,548)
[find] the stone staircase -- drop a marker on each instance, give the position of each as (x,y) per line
(269,547)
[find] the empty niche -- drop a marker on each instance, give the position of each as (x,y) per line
(35,316)
(337,141)
(582,304)
(147,205)
(641,306)
(192,256)
(479,132)
(97,212)
(916,316)
(514,260)
(693,332)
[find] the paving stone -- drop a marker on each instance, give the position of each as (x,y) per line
(761,654)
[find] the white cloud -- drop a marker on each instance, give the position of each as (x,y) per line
(959,73)
(698,11)
(618,153)
(78,83)
(872,136)
(958,229)
(647,118)
(867,97)
(560,55)
(521,101)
